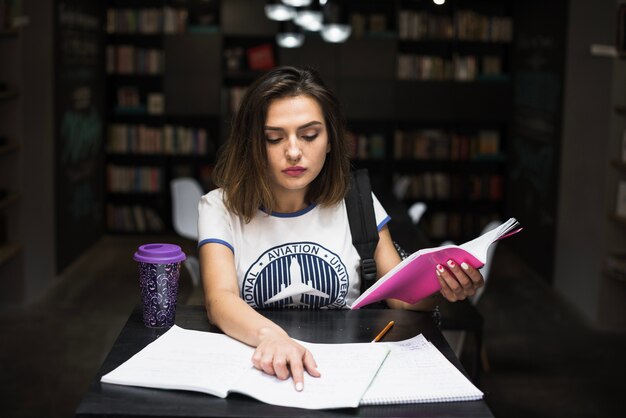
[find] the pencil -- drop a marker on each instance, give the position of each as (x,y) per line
(382,333)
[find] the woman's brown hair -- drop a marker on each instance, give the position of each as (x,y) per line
(241,168)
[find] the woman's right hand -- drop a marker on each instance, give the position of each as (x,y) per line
(279,355)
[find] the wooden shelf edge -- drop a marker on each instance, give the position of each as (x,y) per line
(9,251)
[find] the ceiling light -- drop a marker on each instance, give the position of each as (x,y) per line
(336,32)
(278,11)
(336,27)
(439,2)
(297,3)
(290,35)
(309,19)
(290,39)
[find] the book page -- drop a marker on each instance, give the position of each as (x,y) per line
(186,360)
(217,364)
(415,371)
(346,372)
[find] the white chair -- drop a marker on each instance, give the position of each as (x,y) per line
(455,338)
(416,211)
(186,193)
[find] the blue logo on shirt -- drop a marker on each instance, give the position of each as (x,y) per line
(301,274)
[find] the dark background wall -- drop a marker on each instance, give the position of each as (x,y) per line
(587,231)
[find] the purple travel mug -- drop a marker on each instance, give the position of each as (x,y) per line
(159,270)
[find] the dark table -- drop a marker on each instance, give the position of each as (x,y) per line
(463,316)
(343,326)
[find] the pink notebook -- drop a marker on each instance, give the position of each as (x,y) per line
(414,278)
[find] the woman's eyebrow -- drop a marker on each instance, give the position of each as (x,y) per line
(306,125)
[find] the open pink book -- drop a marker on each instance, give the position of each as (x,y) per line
(415,278)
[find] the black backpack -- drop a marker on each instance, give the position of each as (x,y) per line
(363,226)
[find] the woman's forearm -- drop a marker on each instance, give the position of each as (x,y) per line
(238,320)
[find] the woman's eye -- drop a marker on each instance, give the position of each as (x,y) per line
(310,137)
(272,139)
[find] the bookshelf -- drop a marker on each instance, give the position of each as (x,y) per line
(441,138)
(462,106)
(157,129)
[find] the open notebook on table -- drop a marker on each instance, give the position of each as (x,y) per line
(354,374)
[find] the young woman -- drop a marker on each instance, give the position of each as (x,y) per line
(276,233)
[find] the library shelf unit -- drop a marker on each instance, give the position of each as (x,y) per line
(384,99)
(440,135)
(151,138)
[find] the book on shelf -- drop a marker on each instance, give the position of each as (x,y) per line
(352,374)
(261,57)
(415,279)
(133,218)
(155,103)
(439,144)
(129,60)
(124,179)
(146,21)
(169,140)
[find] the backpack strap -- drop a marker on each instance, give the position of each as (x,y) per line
(363,227)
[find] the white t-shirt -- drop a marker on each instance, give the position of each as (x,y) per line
(302,259)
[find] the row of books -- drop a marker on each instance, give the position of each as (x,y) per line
(372,23)
(464,25)
(367,146)
(133,218)
(460,67)
(121,179)
(258,57)
(147,21)
(129,100)
(444,186)
(128,59)
(169,139)
(437,144)
(454,225)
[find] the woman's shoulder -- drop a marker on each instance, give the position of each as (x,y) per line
(213,198)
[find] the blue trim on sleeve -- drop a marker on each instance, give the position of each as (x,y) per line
(216,241)
(383,223)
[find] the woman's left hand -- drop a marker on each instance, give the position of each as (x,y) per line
(458,281)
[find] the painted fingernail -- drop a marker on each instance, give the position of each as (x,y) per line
(464,265)
(299,386)
(451,263)
(440,268)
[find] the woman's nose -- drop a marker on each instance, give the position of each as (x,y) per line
(293,151)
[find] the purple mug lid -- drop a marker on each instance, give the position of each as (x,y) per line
(159,254)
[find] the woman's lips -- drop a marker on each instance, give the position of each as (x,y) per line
(294,171)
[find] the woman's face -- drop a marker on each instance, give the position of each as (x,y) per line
(296,142)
